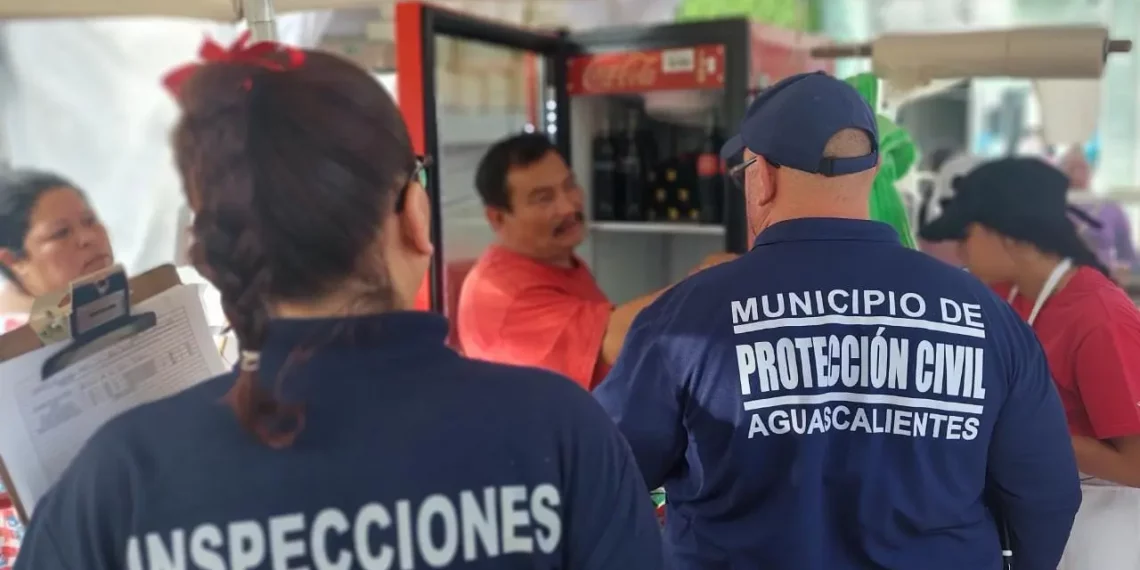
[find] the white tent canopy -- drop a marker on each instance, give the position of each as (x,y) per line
(82,98)
(217,10)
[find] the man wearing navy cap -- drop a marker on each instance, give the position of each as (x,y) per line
(832,400)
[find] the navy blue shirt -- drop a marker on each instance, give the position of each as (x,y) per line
(834,401)
(410,457)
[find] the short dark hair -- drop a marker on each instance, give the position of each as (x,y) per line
(496,165)
(20,191)
(290,175)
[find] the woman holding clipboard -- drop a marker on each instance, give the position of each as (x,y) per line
(1010,218)
(349,435)
(49,236)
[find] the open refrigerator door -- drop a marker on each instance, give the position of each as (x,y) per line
(638,112)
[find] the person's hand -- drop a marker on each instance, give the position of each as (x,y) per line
(713,260)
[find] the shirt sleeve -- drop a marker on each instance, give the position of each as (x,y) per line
(1032,471)
(643,398)
(609,512)
(80,524)
(1108,378)
(556,331)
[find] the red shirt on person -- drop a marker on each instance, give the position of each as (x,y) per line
(516,310)
(1090,331)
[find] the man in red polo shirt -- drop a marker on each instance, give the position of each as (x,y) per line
(529,300)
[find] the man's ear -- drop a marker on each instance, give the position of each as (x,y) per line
(761,182)
(496,217)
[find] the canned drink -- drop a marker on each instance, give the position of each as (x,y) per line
(658,497)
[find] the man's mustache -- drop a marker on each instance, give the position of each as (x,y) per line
(569,222)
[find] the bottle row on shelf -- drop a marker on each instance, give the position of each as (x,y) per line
(655,172)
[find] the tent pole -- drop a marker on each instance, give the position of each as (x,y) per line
(260,19)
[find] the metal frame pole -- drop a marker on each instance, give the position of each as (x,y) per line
(260,18)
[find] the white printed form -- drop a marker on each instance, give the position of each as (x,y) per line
(47,421)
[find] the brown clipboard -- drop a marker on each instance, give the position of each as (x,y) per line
(23,340)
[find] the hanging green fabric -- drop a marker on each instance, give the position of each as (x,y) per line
(897,153)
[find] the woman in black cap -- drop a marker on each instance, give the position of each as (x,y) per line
(1010,218)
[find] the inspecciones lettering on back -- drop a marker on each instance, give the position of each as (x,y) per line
(440,530)
(867,361)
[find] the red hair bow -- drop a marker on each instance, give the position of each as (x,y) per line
(258,54)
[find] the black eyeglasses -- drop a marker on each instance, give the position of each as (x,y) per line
(736,173)
(419,175)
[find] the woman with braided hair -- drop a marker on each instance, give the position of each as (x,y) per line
(349,436)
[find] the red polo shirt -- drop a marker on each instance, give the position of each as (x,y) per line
(1090,331)
(516,310)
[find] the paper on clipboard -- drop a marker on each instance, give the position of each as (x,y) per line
(47,421)
(215,316)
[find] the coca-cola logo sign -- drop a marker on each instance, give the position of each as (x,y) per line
(689,67)
(627,72)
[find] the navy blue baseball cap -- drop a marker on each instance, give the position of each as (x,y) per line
(790,122)
(1023,198)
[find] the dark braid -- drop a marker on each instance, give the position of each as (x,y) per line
(238,269)
(228,246)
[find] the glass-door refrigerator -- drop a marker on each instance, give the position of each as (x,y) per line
(638,112)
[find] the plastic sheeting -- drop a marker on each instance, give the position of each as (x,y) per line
(82,98)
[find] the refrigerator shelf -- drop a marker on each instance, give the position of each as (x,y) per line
(658,228)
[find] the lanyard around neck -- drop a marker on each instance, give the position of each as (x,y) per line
(1048,289)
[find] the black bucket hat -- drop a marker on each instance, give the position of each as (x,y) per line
(1023,198)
